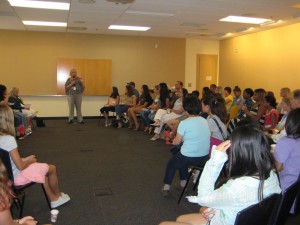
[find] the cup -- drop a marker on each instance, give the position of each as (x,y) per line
(54,213)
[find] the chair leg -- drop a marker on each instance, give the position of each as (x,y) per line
(191,173)
(46,196)
(197,180)
(22,205)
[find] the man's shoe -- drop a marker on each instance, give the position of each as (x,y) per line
(165,193)
(70,122)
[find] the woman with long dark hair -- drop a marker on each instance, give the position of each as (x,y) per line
(250,178)
(287,151)
(144,101)
(112,101)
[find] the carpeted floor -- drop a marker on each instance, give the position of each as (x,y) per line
(90,157)
(93,160)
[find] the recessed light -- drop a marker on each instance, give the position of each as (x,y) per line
(149,13)
(40,4)
(124,27)
(243,19)
(87,1)
(44,23)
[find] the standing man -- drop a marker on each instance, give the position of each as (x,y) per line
(74,87)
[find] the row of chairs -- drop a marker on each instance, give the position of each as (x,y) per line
(20,191)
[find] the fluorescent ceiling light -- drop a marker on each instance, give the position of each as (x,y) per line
(40,4)
(43,23)
(243,19)
(123,27)
(149,13)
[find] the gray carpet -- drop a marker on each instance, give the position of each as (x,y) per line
(90,157)
(94,159)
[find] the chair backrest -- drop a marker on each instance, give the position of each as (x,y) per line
(5,158)
(234,110)
(284,204)
(257,214)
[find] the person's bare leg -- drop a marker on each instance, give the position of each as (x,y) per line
(52,196)
(133,115)
(53,180)
(130,118)
(106,118)
(173,223)
(194,218)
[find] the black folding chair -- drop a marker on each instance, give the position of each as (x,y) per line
(283,206)
(19,191)
(258,214)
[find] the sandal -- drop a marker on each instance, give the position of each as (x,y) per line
(155,137)
(137,127)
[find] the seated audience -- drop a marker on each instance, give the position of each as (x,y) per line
(220,91)
(194,133)
(248,102)
(164,100)
(213,88)
(20,122)
(206,90)
(250,179)
(284,93)
(257,111)
(196,93)
(174,95)
(135,91)
(144,101)
(148,114)
(228,98)
(126,101)
(163,116)
(214,106)
(287,151)
(6,195)
(238,100)
(26,170)
(271,114)
(17,104)
(112,101)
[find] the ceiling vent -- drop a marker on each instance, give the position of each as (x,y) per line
(121,1)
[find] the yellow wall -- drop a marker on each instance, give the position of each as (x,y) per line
(193,48)
(28,59)
(268,59)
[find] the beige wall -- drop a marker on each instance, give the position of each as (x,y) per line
(28,59)
(268,59)
(193,48)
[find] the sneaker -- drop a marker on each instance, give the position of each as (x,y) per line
(165,193)
(70,122)
(82,122)
(178,187)
(63,195)
(155,124)
(60,201)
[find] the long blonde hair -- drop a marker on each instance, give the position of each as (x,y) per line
(7,121)
(6,192)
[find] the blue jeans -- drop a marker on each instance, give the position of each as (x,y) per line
(182,163)
(144,115)
(120,109)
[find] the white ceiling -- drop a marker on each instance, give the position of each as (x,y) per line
(191,18)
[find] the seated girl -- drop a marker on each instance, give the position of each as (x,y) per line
(6,195)
(214,106)
(17,104)
(250,179)
(145,101)
(163,116)
(126,101)
(151,110)
(271,114)
(287,154)
(194,133)
(26,170)
(112,101)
